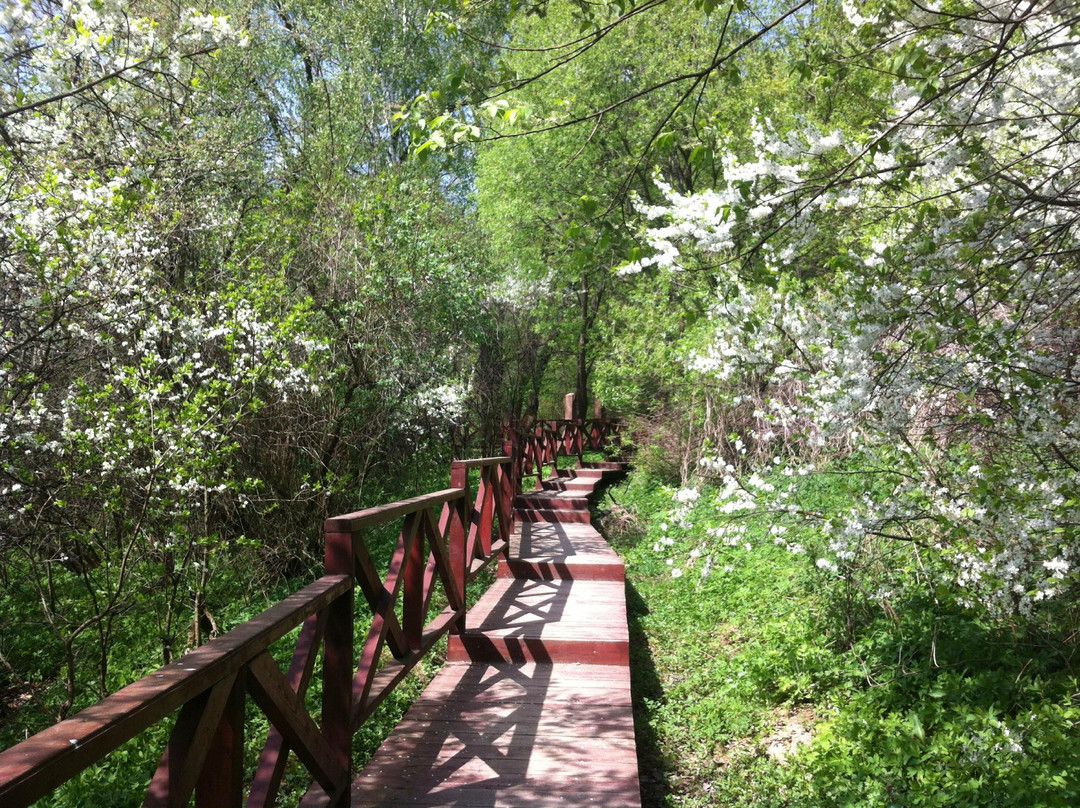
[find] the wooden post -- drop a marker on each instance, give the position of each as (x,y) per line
(551,446)
(568,407)
(597,433)
(487,512)
(541,455)
(510,449)
(337,704)
(337,688)
(460,515)
(412,587)
(221,781)
(506,515)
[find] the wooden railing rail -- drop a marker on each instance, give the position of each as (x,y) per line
(451,549)
(538,447)
(445,540)
(209,686)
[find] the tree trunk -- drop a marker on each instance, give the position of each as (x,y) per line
(581,389)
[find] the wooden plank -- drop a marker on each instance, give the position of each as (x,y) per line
(547,729)
(411,753)
(439,563)
(181,764)
(550,793)
(389,675)
(481,462)
(550,515)
(547,679)
(337,691)
(221,778)
(287,713)
(478,565)
(350,522)
(497,771)
(371,585)
(412,577)
(275,754)
(482,648)
(486,696)
(583,712)
(580,569)
(453,522)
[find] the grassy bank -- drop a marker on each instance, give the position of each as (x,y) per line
(770,681)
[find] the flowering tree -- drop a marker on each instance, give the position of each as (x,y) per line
(907,294)
(122,392)
(225,304)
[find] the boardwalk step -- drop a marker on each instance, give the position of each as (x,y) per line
(569,484)
(567,568)
(607,465)
(546,621)
(551,515)
(585,473)
(511,736)
(557,500)
(560,550)
(494,649)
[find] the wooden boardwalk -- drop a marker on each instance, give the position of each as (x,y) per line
(533,706)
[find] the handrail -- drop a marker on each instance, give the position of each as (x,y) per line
(384,513)
(540,445)
(482,462)
(435,552)
(33,768)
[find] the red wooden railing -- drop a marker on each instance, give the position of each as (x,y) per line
(445,540)
(540,447)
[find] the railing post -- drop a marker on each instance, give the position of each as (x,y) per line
(551,447)
(221,781)
(511,450)
(412,587)
(507,490)
(337,704)
(596,437)
(484,518)
(505,502)
(460,515)
(541,454)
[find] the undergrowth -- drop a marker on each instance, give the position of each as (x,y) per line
(773,682)
(120,778)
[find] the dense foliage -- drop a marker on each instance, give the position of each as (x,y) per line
(286,257)
(932,347)
(229,308)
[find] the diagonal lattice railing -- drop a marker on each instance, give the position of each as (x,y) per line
(445,539)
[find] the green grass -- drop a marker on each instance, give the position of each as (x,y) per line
(772,683)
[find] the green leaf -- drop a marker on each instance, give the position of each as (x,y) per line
(917,727)
(455,78)
(700,156)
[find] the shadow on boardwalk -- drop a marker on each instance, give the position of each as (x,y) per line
(645,685)
(534,706)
